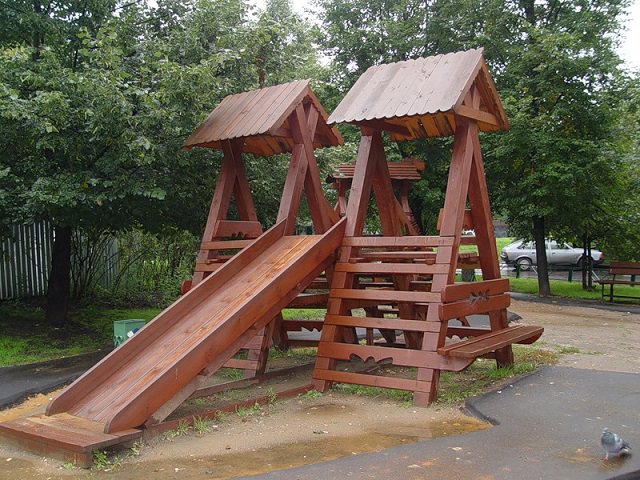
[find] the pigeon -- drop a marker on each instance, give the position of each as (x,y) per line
(613,445)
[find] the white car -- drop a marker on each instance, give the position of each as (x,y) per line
(523,254)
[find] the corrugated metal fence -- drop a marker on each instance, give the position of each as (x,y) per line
(24,261)
(25,258)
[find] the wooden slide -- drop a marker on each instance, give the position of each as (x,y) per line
(193,337)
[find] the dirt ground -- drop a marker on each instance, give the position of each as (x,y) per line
(312,428)
(590,338)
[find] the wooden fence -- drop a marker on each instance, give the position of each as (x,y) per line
(25,258)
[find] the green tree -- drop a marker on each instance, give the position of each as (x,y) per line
(555,67)
(93,118)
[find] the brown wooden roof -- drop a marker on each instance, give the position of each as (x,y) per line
(419,98)
(261,118)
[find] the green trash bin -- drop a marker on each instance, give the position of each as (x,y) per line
(125,329)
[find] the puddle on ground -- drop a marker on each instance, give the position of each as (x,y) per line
(289,455)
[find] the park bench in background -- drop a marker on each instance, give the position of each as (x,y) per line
(617,270)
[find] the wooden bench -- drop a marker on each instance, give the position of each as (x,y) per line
(490,342)
(616,270)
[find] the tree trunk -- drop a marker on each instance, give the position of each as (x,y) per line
(59,286)
(584,262)
(589,265)
(544,289)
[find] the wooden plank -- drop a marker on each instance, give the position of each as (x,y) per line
(399,356)
(492,341)
(463,331)
(481,213)
(480,305)
(467,222)
(228,228)
(385,295)
(474,114)
(241,363)
(392,268)
(625,265)
(207,267)
(385,126)
(462,291)
(66,431)
(370,380)
(382,323)
(225,244)
(309,299)
(407,241)
(241,189)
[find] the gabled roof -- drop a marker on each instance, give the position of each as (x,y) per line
(418,98)
(261,118)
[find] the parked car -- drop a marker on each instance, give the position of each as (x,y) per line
(523,254)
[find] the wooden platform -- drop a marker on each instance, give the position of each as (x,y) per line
(63,436)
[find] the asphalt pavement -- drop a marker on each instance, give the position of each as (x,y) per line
(547,426)
(17,383)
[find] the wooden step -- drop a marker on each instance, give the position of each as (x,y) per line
(407,241)
(63,436)
(241,363)
(393,268)
(490,342)
(382,323)
(310,300)
(381,295)
(225,244)
(371,380)
(229,228)
(399,356)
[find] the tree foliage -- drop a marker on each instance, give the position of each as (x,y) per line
(97,97)
(562,166)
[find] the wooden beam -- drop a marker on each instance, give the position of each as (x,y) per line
(478,115)
(385,126)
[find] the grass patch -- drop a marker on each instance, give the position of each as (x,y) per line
(560,288)
(483,374)
(455,387)
(401,396)
(244,412)
(305,353)
(500,244)
(26,337)
(232,373)
(303,313)
(567,349)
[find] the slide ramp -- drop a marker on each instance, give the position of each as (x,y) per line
(199,332)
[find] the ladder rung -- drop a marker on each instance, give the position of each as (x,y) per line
(393,268)
(385,295)
(382,323)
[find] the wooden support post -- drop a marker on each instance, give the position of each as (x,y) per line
(485,236)
(356,213)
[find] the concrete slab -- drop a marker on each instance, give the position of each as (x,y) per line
(23,380)
(547,426)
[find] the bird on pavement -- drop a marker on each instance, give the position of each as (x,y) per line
(613,445)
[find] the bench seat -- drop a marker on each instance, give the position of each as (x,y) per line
(490,342)
(629,269)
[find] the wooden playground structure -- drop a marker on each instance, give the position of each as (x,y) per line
(243,277)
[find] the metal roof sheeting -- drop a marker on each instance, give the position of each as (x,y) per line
(256,115)
(419,95)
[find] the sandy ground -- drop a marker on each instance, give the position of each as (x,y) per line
(588,337)
(308,430)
